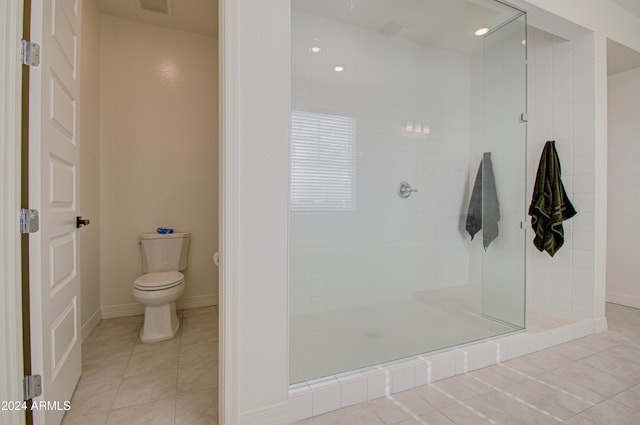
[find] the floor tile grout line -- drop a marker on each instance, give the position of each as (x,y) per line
(516,398)
(547,384)
(119,380)
(463,404)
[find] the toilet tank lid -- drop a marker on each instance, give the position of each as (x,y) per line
(175,235)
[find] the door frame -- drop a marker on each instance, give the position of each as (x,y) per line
(228,207)
(10,266)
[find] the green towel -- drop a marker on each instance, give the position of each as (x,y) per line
(550,205)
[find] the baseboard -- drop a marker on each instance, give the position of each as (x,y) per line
(197,301)
(600,325)
(134,309)
(90,325)
(276,414)
(121,310)
(623,299)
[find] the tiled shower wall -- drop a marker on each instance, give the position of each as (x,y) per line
(561,108)
(339,262)
(385,248)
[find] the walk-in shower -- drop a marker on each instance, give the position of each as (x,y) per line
(408,133)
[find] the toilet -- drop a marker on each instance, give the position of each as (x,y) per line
(163,257)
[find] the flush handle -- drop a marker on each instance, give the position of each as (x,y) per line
(81,222)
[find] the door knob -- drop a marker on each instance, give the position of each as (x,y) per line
(81,222)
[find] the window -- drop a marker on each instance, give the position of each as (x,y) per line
(322,162)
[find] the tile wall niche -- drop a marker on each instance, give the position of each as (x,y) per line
(561,108)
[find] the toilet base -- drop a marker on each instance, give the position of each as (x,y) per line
(160,323)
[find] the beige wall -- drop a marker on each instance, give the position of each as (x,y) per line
(623,200)
(158,154)
(89,237)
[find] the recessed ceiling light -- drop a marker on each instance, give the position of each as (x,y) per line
(338,68)
(481,31)
(316,49)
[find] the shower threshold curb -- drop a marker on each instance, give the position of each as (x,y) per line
(315,397)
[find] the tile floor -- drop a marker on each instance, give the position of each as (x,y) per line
(172,382)
(591,381)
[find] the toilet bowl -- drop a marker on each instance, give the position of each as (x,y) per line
(158,293)
(162,284)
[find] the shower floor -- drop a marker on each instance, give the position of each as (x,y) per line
(330,343)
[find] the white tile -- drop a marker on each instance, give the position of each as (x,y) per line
(583,311)
(583,240)
(562,112)
(560,273)
(423,373)
(515,346)
(556,336)
(582,299)
(561,296)
(529,343)
(376,387)
(300,407)
(326,400)
(563,130)
(298,390)
(442,366)
(354,392)
(583,139)
(583,279)
(543,340)
(564,257)
(584,221)
(403,378)
(583,259)
(584,202)
(583,107)
(583,164)
(322,383)
(464,360)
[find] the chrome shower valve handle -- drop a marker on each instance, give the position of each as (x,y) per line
(405,189)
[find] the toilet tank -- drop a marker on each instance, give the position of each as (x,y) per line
(164,252)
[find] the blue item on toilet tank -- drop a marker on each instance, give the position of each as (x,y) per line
(164,230)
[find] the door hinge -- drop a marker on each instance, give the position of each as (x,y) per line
(29,221)
(30,53)
(32,386)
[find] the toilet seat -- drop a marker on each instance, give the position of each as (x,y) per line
(158,281)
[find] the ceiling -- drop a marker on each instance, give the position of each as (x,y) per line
(451,26)
(621,58)
(198,16)
(631,6)
(448,25)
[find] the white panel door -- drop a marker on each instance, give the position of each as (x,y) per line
(53,190)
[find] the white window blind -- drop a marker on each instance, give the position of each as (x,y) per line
(322,162)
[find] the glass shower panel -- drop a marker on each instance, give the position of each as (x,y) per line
(505,107)
(386,134)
